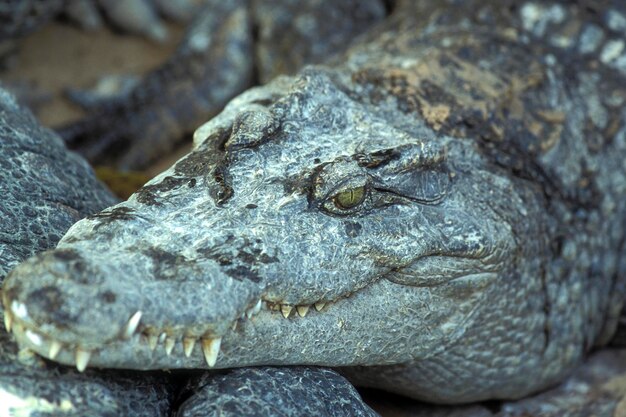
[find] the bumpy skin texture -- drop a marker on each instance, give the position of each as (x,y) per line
(451,190)
(220,57)
(44,191)
(598,388)
(44,188)
(268,392)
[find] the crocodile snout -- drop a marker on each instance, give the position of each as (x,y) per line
(63,305)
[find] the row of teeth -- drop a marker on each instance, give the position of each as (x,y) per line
(210,346)
(302,311)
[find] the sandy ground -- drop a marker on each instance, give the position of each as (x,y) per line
(60,56)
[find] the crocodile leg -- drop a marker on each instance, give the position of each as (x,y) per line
(213,63)
(220,57)
(267,391)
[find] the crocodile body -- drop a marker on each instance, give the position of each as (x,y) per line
(20,17)
(45,190)
(229,47)
(439,213)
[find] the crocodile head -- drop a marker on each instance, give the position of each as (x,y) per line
(308,226)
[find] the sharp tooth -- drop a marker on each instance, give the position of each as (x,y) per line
(8,321)
(33,337)
(19,310)
(319,306)
(82,359)
(286,310)
(162,337)
(55,348)
(169,345)
(211,348)
(188,344)
(132,324)
(234,326)
(302,310)
(153,339)
(257,307)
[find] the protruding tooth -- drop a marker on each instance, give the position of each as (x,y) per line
(319,306)
(170,342)
(33,337)
(188,344)
(153,339)
(55,348)
(19,309)
(211,348)
(162,337)
(8,321)
(234,326)
(255,309)
(286,310)
(302,310)
(132,324)
(82,359)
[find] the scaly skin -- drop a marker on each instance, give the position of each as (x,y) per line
(229,47)
(45,189)
(449,196)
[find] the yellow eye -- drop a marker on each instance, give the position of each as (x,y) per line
(349,198)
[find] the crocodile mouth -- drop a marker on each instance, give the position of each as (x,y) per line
(140,345)
(146,340)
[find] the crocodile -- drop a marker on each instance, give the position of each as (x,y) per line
(437,213)
(229,47)
(21,17)
(45,190)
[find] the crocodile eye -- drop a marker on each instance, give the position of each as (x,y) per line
(349,198)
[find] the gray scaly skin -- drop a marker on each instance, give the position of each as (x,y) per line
(260,392)
(229,47)
(46,189)
(440,214)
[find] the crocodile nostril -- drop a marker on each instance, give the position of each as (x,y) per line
(108,297)
(47,302)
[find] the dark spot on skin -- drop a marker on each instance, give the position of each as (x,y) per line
(149,193)
(66,255)
(353,229)
(165,264)
(317,161)
(50,303)
(200,161)
(114,214)
(377,159)
(244,264)
(242,272)
(108,297)
(221,192)
(251,206)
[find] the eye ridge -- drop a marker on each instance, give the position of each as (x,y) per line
(349,198)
